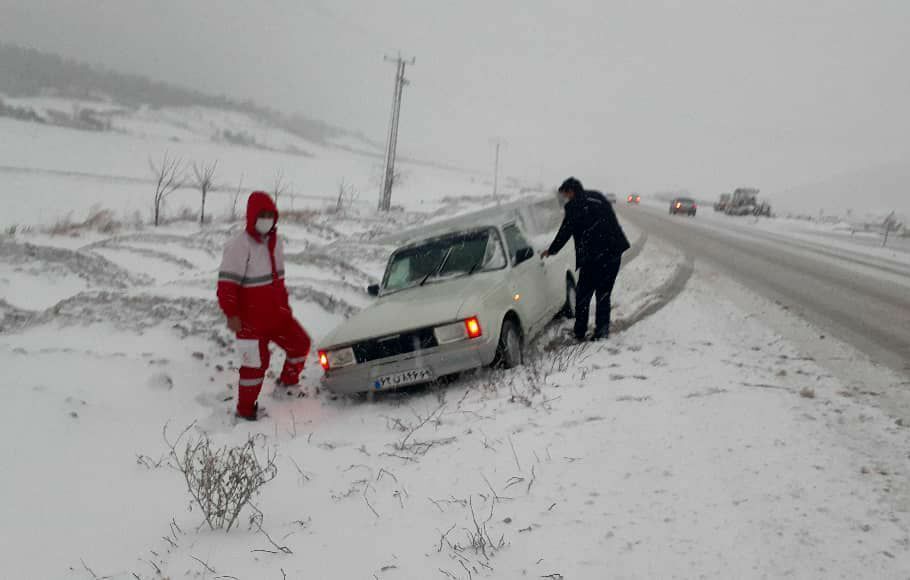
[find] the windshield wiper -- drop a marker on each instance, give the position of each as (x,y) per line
(439,267)
(475,267)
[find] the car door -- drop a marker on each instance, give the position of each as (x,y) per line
(529,282)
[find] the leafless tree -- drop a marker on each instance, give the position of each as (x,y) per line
(204,181)
(280,186)
(168,176)
(347,195)
(890,224)
(237,193)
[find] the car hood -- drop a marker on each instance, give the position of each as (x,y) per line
(433,303)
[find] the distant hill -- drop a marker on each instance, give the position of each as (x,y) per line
(874,191)
(26,72)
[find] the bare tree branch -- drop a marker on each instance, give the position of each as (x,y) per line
(204,181)
(168,176)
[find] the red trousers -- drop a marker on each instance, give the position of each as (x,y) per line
(295,342)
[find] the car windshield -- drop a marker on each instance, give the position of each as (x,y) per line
(685,200)
(443,258)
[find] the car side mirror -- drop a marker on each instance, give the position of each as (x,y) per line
(523,255)
(373,289)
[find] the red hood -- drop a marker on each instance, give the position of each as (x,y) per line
(258,202)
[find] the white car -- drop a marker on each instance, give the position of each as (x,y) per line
(467,298)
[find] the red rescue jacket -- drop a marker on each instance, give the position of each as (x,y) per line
(251,276)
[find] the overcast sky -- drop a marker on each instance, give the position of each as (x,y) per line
(630,94)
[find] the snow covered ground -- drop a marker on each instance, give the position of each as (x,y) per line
(697,442)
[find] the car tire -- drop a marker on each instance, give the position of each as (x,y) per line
(568,308)
(510,351)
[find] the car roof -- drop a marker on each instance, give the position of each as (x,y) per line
(447,233)
(497,217)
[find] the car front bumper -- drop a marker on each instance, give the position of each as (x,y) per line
(440,361)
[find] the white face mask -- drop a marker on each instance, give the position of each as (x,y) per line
(265,225)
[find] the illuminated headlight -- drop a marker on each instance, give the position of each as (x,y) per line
(450,332)
(340,358)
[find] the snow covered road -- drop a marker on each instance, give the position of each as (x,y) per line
(861,300)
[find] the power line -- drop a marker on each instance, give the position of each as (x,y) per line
(385,194)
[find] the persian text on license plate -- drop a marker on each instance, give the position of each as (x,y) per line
(403,379)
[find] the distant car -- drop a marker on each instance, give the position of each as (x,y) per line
(633,198)
(456,301)
(683,205)
(611,197)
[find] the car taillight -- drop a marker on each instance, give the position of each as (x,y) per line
(473,327)
(324,360)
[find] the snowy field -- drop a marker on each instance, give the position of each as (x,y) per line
(695,443)
(49,174)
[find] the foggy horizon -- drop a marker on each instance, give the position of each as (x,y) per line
(704,96)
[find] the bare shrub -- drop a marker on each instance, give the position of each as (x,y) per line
(476,546)
(222,480)
(98,219)
(299,216)
(570,357)
(807,393)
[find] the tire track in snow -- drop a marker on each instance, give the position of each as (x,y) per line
(636,249)
(657,299)
(664,294)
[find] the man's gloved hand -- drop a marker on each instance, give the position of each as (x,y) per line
(235,324)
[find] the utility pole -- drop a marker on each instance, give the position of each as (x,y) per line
(385,194)
(497,143)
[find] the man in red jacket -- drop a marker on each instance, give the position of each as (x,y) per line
(253,297)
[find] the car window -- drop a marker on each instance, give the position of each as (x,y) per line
(494,258)
(447,257)
(515,240)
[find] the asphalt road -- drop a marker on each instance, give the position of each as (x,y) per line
(863,301)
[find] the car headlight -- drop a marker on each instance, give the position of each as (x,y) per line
(456,331)
(334,359)
(450,332)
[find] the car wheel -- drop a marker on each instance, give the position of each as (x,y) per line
(568,309)
(510,351)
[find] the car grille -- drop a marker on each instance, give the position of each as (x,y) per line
(394,345)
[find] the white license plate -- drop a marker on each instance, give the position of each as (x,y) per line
(403,379)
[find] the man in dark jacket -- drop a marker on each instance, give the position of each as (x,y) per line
(599,244)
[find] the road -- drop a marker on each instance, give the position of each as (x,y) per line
(862,301)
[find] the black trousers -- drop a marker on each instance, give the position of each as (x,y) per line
(595,279)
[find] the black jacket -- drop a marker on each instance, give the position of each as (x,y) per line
(591,221)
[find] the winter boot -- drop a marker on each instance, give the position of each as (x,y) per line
(254,416)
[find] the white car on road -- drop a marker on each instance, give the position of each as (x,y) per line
(461,299)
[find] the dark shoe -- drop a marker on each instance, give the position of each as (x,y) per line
(598,337)
(252,417)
